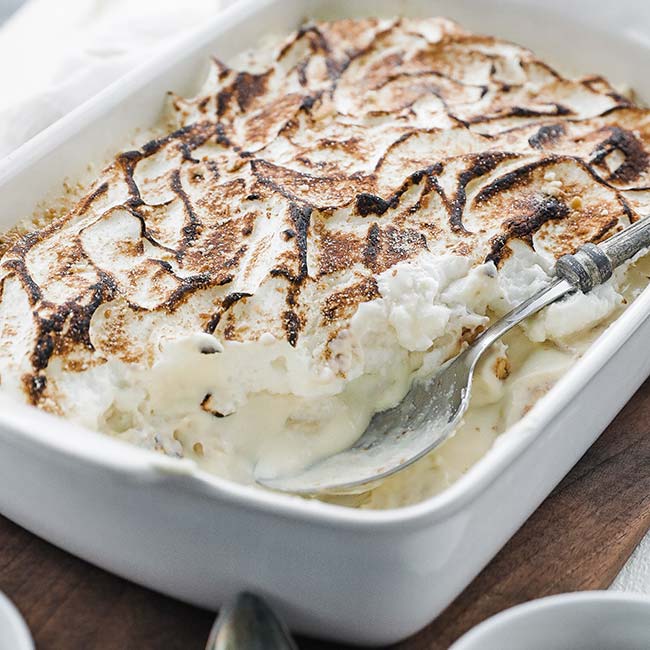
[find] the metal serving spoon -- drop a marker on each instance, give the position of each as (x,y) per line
(432,409)
(248,623)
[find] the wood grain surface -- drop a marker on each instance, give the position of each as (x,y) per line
(578,539)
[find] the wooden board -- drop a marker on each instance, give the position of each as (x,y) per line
(578,539)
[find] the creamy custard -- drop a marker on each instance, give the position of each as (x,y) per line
(331,216)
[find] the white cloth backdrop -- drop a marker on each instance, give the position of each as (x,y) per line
(56,54)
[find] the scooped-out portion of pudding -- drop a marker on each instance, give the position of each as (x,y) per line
(329,216)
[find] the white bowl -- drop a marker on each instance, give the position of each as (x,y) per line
(588,620)
(14,634)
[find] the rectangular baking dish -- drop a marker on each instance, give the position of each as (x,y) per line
(356,576)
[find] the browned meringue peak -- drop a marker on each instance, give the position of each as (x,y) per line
(615,144)
(289,187)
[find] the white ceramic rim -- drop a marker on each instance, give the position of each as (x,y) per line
(504,619)
(11,619)
(103,452)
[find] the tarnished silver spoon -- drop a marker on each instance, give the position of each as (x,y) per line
(248,623)
(433,408)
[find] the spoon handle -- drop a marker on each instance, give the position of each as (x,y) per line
(558,288)
(591,265)
(627,243)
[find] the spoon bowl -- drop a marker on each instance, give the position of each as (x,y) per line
(248,623)
(396,437)
(433,407)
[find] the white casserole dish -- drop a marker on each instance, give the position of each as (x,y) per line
(358,576)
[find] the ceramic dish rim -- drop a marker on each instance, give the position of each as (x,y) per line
(101,451)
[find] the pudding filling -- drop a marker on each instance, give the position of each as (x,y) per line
(328,217)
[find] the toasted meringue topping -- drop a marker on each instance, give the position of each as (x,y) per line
(293,186)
